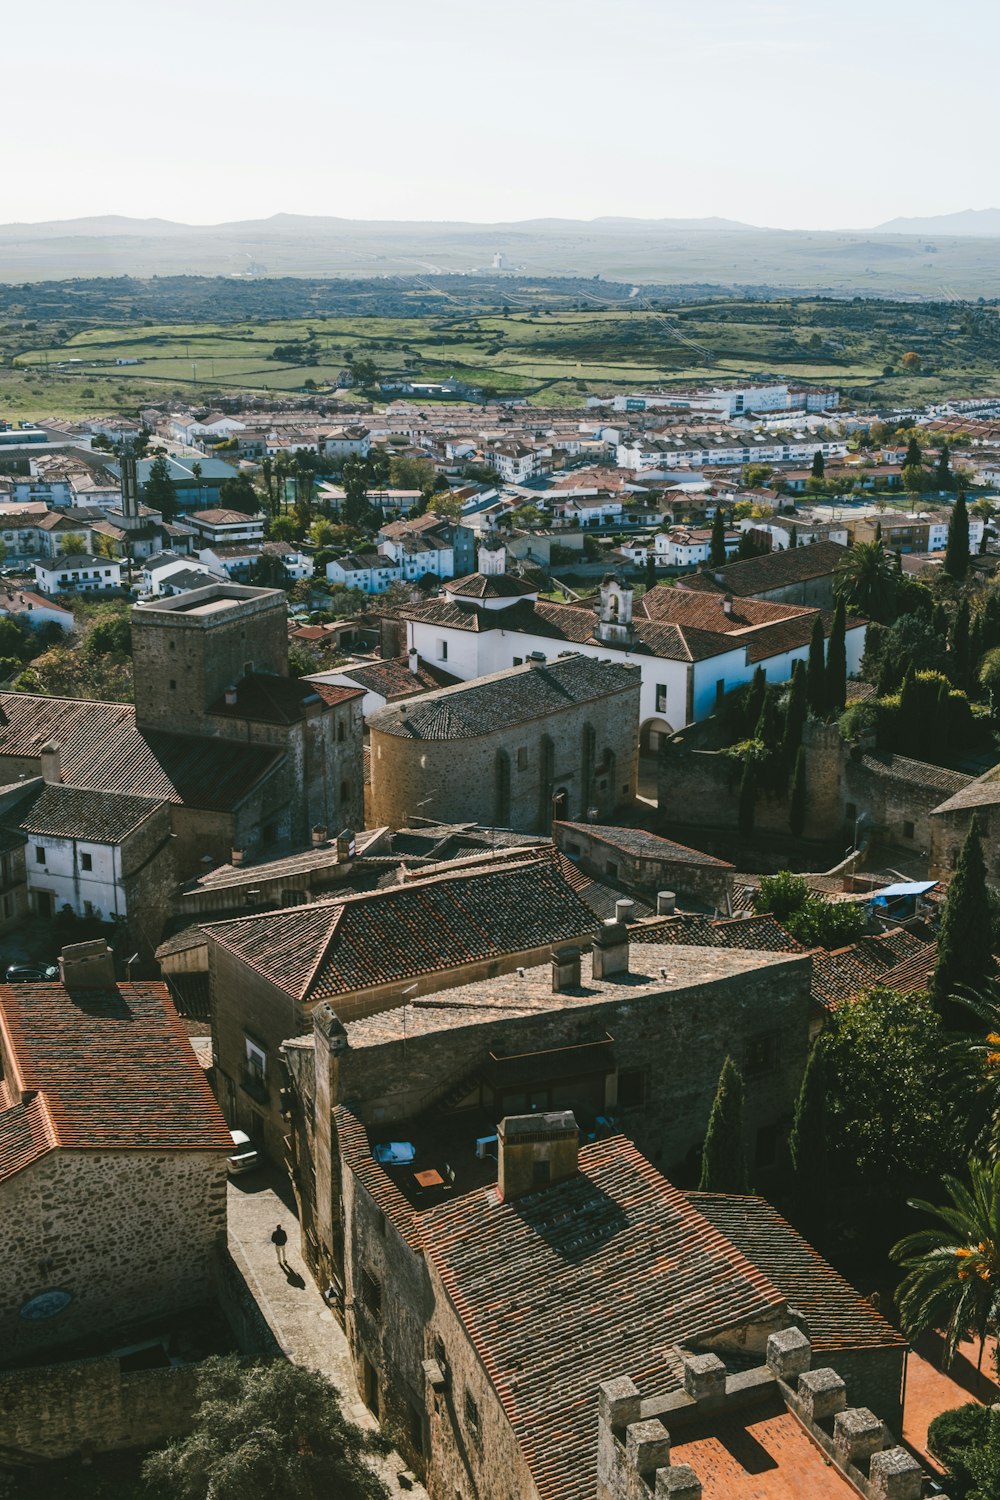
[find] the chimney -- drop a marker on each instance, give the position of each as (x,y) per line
(51,758)
(414,655)
(666,903)
(624,911)
(536,1151)
(231,696)
(610,951)
(565,970)
(87,966)
(320,834)
(727,604)
(236,858)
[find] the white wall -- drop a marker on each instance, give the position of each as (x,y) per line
(64,877)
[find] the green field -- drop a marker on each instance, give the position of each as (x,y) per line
(555,356)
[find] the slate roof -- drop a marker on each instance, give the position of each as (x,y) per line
(643,845)
(102,748)
(69,812)
(113,1071)
(840,975)
(391,677)
(269,699)
(916,773)
(488,586)
(514,696)
(549,1286)
(983,792)
(774,570)
(430,925)
(760,933)
(837,1317)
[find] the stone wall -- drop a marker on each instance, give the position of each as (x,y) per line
(131,1235)
(149,878)
(709,884)
(56,1411)
(511,777)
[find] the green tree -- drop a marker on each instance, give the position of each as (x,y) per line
(796,713)
(158,492)
(836,661)
(650,570)
(748,797)
(239,494)
(74,544)
(754,701)
(960,647)
(913,453)
(781,894)
(196,469)
(109,632)
(956,1439)
(953,1267)
(807,1141)
(818,464)
(826,924)
(989,677)
(717,546)
(284,529)
(866,581)
(944,479)
(265,1429)
(723,1156)
(956,555)
(816,669)
(965,938)
(797,801)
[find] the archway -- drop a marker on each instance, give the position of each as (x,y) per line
(652,734)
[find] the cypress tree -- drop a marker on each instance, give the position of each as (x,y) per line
(965,939)
(717,547)
(836,660)
(754,701)
(942,472)
(959,664)
(816,669)
(909,731)
(796,713)
(748,797)
(723,1158)
(807,1141)
(956,556)
(797,802)
(913,453)
(795,539)
(878,531)
(650,570)
(976,651)
(819,465)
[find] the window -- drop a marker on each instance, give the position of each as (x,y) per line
(471,1415)
(256,1059)
(631,1088)
(720,691)
(661,697)
(39,855)
(519,661)
(371,1293)
(908,829)
(86,862)
(610,868)
(762,1054)
(442,650)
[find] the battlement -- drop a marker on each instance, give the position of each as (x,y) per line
(644,1443)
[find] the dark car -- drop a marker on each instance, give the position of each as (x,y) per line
(26,973)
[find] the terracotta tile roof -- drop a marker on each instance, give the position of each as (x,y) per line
(26,1132)
(513,696)
(837,1316)
(114,1067)
(760,933)
(913,973)
(488,586)
(637,841)
(268,699)
(846,972)
(705,612)
(103,748)
(604,1272)
(766,1456)
(983,792)
(774,570)
(333,693)
(392,678)
(918,773)
(427,926)
(356,1151)
(76,813)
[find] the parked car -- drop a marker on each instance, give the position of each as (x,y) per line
(31,973)
(244,1157)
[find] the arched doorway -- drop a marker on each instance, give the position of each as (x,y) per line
(560,805)
(652,735)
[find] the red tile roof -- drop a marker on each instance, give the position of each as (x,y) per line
(595,1276)
(767,1456)
(104,1069)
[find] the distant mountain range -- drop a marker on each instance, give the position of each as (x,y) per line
(949,256)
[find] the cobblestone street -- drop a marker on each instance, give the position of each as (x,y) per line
(303,1325)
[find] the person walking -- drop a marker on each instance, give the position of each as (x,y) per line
(279,1240)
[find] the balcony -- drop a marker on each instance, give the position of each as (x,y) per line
(254,1083)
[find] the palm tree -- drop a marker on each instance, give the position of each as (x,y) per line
(976,1062)
(866,581)
(953,1269)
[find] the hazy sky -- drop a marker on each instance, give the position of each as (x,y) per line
(776,112)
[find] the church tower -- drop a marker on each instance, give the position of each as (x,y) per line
(614,612)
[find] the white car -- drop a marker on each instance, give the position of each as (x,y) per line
(244,1157)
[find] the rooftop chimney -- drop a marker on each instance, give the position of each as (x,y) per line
(727,604)
(536,1151)
(87,966)
(610,951)
(414,656)
(236,858)
(624,911)
(565,970)
(320,834)
(231,695)
(51,758)
(666,903)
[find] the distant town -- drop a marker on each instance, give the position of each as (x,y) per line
(499,905)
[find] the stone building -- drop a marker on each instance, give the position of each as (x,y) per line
(365,954)
(790,575)
(517,748)
(112,1159)
(246,757)
(646,863)
(952,818)
(634,1033)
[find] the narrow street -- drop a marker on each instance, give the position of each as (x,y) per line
(303,1325)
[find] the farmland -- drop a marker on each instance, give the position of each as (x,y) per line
(561,344)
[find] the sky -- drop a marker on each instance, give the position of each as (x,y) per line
(774,112)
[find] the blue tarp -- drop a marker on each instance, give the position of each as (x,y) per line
(904,888)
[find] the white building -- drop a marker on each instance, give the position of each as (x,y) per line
(686,547)
(419,554)
(347,442)
(693,452)
(731,401)
(513,460)
(371,572)
(223,528)
(692,647)
(32,610)
(81,574)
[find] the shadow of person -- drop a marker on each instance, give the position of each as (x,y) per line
(293,1278)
